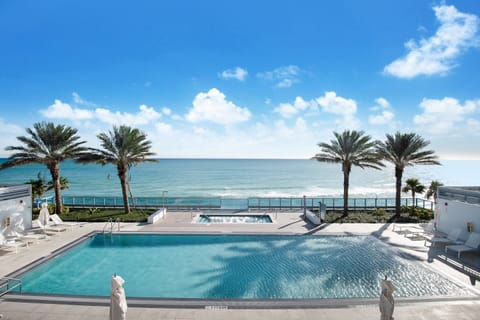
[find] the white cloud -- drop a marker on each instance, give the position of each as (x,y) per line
(386,115)
(332,103)
(212,107)
(437,55)
(166,111)
(9,133)
(346,108)
(60,110)
(443,116)
(164,128)
(237,73)
(80,101)
(284,77)
(144,116)
(382,102)
(287,110)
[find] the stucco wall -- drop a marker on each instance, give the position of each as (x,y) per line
(452,214)
(16,205)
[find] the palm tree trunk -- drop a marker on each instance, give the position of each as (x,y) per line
(346,182)
(55,172)
(122,174)
(413,200)
(398,191)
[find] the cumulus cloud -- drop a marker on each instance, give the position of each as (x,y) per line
(212,106)
(144,116)
(442,116)
(166,111)
(288,110)
(345,108)
(237,73)
(437,55)
(61,110)
(332,103)
(284,77)
(386,115)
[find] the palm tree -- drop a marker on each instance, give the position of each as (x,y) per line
(38,186)
(49,144)
(350,148)
(123,147)
(414,186)
(433,189)
(64,184)
(403,150)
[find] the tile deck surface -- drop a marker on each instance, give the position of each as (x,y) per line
(465,271)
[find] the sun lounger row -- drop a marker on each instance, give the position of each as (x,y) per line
(451,238)
(17,237)
(471,244)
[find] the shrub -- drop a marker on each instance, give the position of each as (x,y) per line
(93,211)
(378,212)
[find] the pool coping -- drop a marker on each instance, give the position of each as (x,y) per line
(213,304)
(224,304)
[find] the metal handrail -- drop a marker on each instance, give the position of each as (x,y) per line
(10,284)
(106,224)
(117,221)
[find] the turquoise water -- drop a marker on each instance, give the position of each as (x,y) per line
(233,219)
(242,178)
(235,266)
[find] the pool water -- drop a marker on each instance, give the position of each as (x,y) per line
(235,267)
(203,218)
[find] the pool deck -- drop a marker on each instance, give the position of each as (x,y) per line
(465,271)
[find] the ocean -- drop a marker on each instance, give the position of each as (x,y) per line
(242,178)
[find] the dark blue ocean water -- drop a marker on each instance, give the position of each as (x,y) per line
(242,178)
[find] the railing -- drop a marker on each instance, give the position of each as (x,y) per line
(8,284)
(203,203)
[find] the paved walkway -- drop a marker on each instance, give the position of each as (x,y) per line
(463,271)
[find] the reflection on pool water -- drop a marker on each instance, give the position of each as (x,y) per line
(236,266)
(203,218)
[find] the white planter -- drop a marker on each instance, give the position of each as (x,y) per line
(157,215)
(313,218)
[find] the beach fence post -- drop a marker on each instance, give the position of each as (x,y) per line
(304,205)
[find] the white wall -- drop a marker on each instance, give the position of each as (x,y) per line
(20,205)
(452,214)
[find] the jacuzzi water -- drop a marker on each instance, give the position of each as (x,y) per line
(233,219)
(236,267)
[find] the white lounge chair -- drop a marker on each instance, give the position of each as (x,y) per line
(48,227)
(10,243)
(57,221)
(472,244)
(32,236)
(422,231)
(452,237)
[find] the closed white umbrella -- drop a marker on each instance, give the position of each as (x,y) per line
(44,215)
(118,301)
(387,304)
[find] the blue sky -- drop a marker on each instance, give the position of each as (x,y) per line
(244,79)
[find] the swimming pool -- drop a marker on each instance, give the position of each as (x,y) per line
(235,267)
(232,218)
